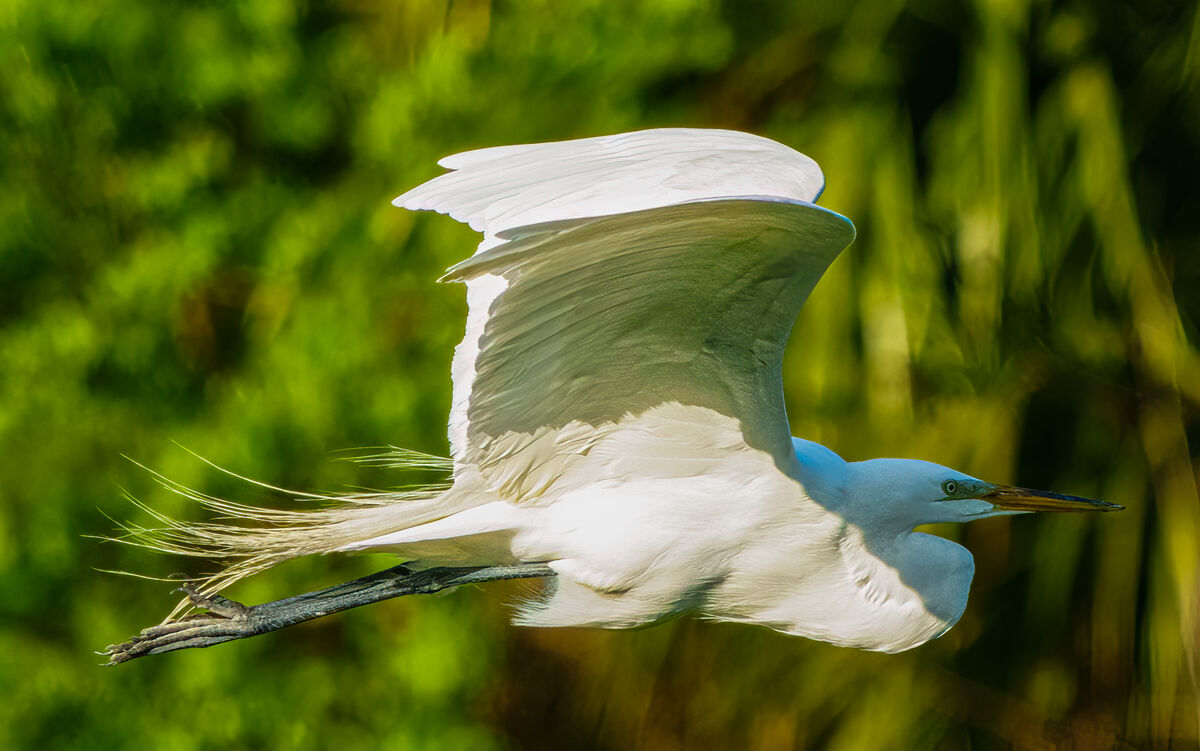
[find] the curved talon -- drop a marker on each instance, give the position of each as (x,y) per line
(197,630)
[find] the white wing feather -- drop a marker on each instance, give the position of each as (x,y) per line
(505,187)
(517,193)
(612,316)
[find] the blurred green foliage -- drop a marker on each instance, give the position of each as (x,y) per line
(196,246)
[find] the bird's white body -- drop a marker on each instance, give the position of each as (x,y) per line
(672,512)
(618,407)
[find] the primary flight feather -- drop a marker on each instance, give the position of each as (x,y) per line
(618,411)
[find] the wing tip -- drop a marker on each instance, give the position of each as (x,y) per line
(414,199)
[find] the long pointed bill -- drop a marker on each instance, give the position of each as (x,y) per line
(1024,499)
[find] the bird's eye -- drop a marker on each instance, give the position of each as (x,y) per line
(950,487)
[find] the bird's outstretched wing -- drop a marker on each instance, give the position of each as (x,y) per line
(612,308)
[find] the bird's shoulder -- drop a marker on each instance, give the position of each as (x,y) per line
(670,442)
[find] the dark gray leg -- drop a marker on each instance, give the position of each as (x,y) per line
(227,620)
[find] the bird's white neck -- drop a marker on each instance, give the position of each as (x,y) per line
(939,570)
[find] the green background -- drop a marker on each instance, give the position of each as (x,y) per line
(196,246)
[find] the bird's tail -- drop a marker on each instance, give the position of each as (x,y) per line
(249,539)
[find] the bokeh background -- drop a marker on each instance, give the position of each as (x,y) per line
(196,248)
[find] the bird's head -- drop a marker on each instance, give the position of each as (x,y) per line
(913,492)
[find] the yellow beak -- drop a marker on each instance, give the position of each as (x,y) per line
(1024,499)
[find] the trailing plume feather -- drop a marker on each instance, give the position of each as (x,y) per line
(250,539)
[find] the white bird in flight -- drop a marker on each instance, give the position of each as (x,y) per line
(618,418)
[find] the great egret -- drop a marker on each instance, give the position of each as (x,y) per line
(618,419)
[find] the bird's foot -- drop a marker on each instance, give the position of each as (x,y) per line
(225,620)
